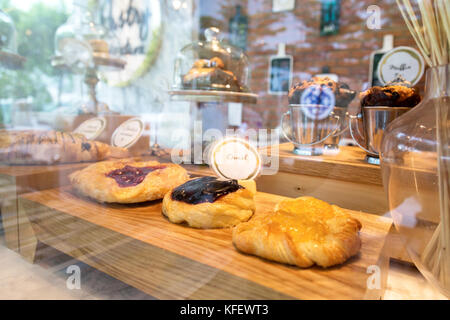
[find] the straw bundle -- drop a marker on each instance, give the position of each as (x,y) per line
(432,36)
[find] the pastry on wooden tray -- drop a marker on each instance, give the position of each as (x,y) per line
(210,203)
(52,147)
(302,232)
(211,74)
(127,181)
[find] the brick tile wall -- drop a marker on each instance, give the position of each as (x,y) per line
(347,53)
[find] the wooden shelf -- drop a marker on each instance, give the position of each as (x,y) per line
(16,180)
(212,96)
(137,245)
(11,60)
(347,165)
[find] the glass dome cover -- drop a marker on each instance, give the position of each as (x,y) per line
(211,65)
(81,40)
(7,33)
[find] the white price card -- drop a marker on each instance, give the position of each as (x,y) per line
(405,62)
(235,158)
(128,133)
(234,114)
(92,128)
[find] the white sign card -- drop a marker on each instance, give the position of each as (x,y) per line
(406,62)
(92,128)
(235,158)
(282,5)
(234,113)
(128,133)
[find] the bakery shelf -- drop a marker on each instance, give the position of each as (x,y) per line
(11,60)
(212,96)
(137,245)
(17,180)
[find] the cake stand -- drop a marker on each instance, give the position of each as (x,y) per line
(201,97)
(91,79)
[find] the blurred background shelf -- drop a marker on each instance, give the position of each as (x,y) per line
(212,96)
(11,60)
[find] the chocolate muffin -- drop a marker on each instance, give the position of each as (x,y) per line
(211,73)
(342,93)
(397,93)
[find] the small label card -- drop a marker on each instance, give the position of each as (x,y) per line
(91,128)
(234,114)
(235,158)
(282,5)
(406,62)
(128,133)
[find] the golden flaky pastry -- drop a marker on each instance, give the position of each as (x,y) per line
(128,181)
(210,203)
(303,232)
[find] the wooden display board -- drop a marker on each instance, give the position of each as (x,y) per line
(137,245)
(344,178)
(347,164)
(17,180)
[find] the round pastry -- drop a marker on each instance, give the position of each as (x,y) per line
(210,203)
(127,181)
(207,74)
(302,232)
(397,93)
(342,93)
(99,46)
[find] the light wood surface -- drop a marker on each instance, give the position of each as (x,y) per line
(136,244)
(16,180)
(351,195)
(347,165)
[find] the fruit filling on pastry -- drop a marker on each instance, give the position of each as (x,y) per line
(205,189)
(130,176)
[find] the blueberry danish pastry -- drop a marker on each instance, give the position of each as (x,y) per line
(210,203)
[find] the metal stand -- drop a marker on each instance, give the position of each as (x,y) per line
(373,160)
(198,98)
(91,79)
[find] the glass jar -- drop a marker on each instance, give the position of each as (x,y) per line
(7,33)
(81,40)
(415,162)
(211,65)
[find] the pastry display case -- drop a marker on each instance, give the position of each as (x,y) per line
(212,70)
(84,46)
(8,33)
(8,43)
(318,115)
(194,180)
